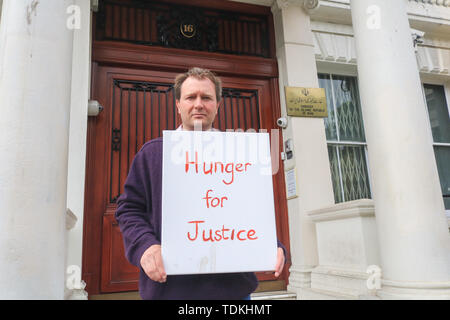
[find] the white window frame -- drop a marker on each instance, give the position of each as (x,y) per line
(446,85)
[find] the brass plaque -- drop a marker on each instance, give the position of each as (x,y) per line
(306,102)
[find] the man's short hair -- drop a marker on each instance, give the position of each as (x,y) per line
(200,74)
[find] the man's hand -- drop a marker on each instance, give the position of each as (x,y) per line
(280,262)
(151,262)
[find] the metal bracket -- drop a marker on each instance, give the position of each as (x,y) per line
(94,5)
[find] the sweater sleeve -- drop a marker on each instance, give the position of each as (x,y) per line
(280,245)
(132,213)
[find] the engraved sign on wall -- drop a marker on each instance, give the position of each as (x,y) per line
(306,102)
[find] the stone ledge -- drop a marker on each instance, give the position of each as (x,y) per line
(340,281)
(345,210)
(318,294)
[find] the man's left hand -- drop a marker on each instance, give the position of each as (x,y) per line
(280,262)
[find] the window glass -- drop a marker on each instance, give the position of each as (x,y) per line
(443,165)
(438,112)
(335,175)
(354,172)
(440,128)
(348,110)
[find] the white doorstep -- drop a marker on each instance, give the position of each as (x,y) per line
(274,295)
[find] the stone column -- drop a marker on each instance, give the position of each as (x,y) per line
(412,229)
(297,68)
(35,80)
(81,74)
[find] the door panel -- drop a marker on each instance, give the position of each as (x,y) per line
(117,273)
(140,110)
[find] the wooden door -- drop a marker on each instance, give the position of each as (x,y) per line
(134,84)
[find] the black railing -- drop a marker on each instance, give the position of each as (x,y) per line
(240,110)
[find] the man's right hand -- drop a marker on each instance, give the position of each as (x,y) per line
(151,262)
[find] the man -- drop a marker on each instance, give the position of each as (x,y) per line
(197,93)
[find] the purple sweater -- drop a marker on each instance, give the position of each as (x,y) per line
(139,217)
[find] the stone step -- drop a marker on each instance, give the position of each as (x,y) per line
(274,295)
(134,295)
(319,294)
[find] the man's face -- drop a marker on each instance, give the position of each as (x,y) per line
(198,103)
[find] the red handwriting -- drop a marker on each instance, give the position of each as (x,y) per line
(217,167)
(215,201)
(220,234)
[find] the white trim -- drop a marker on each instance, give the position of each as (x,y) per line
(341,183)
(332,46)
(433,60)
(428,12)
(444,3)
(417,284)
(440,144)
(349,69)
(369,174)
(347,143)
(333,28)
(334,108)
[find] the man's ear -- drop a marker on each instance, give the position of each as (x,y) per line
(219,104)
(177,102)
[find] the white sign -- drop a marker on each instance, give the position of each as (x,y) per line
(291,184)
(218,210)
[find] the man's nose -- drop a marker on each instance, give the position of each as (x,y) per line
(198,103)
